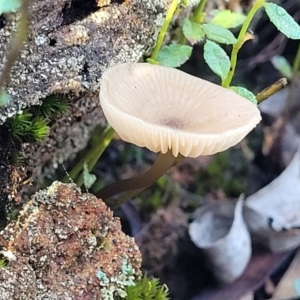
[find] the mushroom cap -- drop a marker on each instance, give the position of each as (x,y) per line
(163,108)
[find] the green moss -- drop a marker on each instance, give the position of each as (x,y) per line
(33,125)
(103,244)
(123,286)
(147,289)
(3,263)
(52,106)
(226,172)
(26,128)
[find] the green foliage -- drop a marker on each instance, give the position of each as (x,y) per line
(244,93)
(192,31)
(281,64)
(215,30)
(156,196)
(283,21)
(226,172)
(3,263)
(7,6)
(219,34)
(33,124)
(195,32)
(174,55)
(216,58)
(147,289)
(27,128)
(88,178)
(228,19)
(53,106)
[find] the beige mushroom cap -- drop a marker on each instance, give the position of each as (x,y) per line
(163,108)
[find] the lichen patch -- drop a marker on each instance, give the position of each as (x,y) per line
(63,238)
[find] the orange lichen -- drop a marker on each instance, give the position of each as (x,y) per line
(67,237)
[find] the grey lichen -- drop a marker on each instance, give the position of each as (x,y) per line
(67,50)
(116,285)
(69,46)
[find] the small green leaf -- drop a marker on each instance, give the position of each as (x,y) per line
(192,31)
(283,21)
(218,34)
(216,58)
(174,55)
(7,6)
(228,19)
(281,64)
(244,93)
(4,98)
(88,178)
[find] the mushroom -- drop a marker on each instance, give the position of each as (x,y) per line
(173,113)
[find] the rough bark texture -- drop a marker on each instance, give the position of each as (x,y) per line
(71,42)
(61,239)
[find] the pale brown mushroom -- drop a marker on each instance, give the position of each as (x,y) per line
(171,112)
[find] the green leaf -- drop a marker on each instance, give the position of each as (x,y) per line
(281,64)
(192,31)
(228,19)
(283,21)
(244,93)
(216,58)
(7,6)
(218,34)
(88,178)
(174,55)
(4,98)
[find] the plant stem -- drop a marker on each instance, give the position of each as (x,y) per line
(199,11)
(164,29)
(296,64)
(241,39)
(271,90)
(94,154)
(292,90)
(160,167)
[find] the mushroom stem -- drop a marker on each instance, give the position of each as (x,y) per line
(160,167)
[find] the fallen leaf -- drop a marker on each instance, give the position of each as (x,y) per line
(272,214)
(220,231)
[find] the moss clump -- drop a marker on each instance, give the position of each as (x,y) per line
(147,288)
(227,172)
(3,263)
(26,128)
(33,125)
(123,286)
(52,107)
